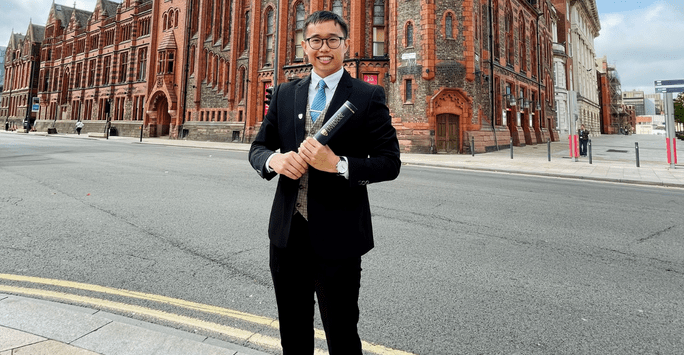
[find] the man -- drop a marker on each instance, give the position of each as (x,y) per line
(320,222)
(584,139)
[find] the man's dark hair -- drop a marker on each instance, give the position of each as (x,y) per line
(325,16)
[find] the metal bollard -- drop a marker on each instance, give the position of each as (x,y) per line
(511,145)
(141,133)
(548,148)
(590,151)
(636,146)
(472,145)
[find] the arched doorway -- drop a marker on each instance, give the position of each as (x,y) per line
(447,133)
(450,113)
(159,127)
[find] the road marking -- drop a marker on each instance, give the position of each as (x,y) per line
(254,338)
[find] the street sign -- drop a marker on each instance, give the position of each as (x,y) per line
(669,82)
(669,89)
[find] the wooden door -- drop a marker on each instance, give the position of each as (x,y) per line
(447,134)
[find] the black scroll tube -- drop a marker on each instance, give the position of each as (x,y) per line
(335,122)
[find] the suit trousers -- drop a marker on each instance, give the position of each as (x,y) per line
(297,275)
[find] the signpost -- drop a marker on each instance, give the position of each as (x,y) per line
(668,87)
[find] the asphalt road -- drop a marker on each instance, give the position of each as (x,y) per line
(465,262)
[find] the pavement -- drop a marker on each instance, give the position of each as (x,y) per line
(30,326)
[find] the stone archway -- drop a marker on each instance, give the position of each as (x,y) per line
(449,113)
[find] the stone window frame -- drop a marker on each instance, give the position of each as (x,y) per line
(453,30)
(299,13)
(405,98)
(409,32)
(269,37)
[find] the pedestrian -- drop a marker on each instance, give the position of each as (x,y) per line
(79,127)
(584,139)
(6,124)
(320,222)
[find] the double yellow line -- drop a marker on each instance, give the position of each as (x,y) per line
(240,334)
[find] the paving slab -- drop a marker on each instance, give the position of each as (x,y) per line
(125,339)
(12,339)
(58,323)
(51,347)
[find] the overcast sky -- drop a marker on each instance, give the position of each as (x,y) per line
(642,38)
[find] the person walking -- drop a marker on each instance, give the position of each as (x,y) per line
(584,139)
(79,126)
(320,222)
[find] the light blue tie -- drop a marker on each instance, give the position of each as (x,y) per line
(318,103)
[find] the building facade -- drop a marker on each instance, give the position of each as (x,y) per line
(22,61)
(2,67)
(585,28)
(94,67)
(458,74)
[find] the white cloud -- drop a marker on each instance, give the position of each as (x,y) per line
(645,45)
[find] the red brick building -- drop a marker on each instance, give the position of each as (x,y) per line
(94,67)
(199,70)
(22,61)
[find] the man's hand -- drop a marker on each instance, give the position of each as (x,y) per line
(319,156)
(289,164)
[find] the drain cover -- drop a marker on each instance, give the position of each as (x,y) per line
(616,151)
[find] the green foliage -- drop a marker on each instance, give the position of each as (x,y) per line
(679,108)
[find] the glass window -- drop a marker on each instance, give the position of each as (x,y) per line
(299,31)
(409,35)
(449,26)
(337,7)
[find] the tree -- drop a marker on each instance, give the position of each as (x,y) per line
(679,108)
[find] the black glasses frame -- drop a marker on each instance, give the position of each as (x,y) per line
(325,40)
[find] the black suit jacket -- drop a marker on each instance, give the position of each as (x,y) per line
(338,209)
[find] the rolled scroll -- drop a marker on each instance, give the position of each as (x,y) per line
(335,122)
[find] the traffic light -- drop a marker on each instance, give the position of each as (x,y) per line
(269,93)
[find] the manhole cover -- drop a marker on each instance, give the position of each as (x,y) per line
(616,151)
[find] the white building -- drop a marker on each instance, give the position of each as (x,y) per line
(585,28)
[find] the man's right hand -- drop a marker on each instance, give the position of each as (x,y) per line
(289,164)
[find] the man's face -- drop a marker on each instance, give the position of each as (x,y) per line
(325,61)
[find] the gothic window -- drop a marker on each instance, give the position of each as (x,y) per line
(496,34)
(509,35)
(523,43)
(91,72)
(169,61)
(270,29)
(299,31)
(449,27)
(533,50)
(105,70)
(243,83)
(409,35)
(337,7)
(192,60)
(142,63)
(77,76)
(379,28)
(46,80)
(55,80)
(408,91)
(246,43)
(161,59)
(123,68)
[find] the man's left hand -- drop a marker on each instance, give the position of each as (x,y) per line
(318,156)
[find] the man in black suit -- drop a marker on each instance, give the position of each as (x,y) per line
(320,223)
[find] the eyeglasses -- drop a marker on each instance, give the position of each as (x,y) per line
(332,42)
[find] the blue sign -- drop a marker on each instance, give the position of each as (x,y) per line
(669,82)
(670,89)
